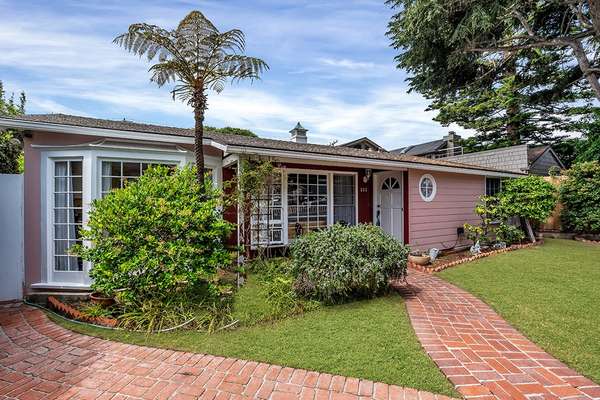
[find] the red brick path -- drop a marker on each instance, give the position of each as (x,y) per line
(482,354)
(40,360)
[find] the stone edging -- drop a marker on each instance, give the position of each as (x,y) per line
(438,268)
(75,314)
(584,240)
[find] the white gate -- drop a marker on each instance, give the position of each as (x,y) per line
(11,237)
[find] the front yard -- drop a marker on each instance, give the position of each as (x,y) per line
(550,293)
(370,339)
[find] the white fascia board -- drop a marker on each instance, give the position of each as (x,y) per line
(230,160)
(367,162)
(101,132)
(105,133)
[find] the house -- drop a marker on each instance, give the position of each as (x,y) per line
(71,160)
(534,160)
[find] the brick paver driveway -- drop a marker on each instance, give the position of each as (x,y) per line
(40,360)
(481,353)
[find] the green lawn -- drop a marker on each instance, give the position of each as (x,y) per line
(370,339)
(550,293)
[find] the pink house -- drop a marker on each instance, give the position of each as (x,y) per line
(69,161)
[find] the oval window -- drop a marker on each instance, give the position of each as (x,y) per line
(427,187)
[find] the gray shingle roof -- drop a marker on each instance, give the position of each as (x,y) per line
(422,148)
(237,140)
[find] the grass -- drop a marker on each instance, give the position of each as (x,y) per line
(370,339)
(550,293)
(251,306)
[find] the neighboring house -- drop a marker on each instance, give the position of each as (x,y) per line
(445,147)
(533,160)
(70,160)
(364,143)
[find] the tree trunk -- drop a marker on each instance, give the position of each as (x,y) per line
(586,68)
(529,230)
(594,6)
(199,107)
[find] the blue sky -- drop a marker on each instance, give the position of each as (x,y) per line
(331,67)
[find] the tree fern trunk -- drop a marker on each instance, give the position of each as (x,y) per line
(199,107)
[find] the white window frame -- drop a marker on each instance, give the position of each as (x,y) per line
(92,158)
(329,174)
(434,188)
(486,185)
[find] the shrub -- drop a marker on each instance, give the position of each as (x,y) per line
(157,237)
(494,227)
(340,262)
(529,197)
(580,196)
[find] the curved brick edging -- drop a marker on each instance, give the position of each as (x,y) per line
(41,360)
(438,268)
(484,356)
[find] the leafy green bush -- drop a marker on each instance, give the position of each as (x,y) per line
(493,227)
(529,197)
(341,262)
(157,237)
(580,196)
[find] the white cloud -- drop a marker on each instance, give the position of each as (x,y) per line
(349,64)
(341,86)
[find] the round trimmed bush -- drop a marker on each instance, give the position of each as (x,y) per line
(343,262)
(156,237)
(580,196)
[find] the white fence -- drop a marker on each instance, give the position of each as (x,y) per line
(11,237)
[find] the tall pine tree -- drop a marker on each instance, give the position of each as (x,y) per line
(477,64)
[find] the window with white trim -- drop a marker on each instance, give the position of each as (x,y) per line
(116,174)
(266,220)
(68,213)
(493,186)
(427,187)
(344,199)
(307,203)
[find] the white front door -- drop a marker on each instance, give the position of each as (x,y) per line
(390,211)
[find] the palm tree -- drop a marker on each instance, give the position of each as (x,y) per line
(196,57)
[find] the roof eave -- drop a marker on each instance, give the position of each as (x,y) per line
(236,149)
(366,162)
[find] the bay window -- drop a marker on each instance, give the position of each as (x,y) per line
(116,174)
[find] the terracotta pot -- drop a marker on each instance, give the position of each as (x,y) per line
(104,301)
(419,260)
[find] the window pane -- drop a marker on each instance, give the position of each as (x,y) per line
(344,207)
(266,215)
(76,168)
(131,169)
(307,203)
(68,213)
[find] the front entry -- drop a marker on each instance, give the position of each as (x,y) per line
(389,213)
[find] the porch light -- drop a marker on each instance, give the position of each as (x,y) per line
(367,175)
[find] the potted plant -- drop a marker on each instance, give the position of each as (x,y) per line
(102,299)
(419,258)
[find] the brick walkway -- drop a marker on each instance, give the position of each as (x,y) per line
(481,353)
(40,360)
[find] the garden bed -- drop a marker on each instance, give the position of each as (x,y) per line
(453,259)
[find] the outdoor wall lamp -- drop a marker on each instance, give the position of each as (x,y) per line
(367,175)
